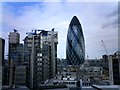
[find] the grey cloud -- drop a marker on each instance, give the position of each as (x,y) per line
(111,24)
(58,15)
(113,13)
(111,19)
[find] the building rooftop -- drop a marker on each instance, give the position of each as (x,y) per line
(105,87)
(17,88)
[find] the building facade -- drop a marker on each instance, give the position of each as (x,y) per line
(2,45)
(47,56)
(20,75)
(41,48)
(75,49)
(15,57)
(14,40)
(114,68)
(20,53)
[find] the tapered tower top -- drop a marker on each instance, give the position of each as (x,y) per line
(75,21)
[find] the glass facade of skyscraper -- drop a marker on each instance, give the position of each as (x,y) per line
(75,48)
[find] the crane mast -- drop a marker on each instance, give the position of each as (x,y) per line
(103,44)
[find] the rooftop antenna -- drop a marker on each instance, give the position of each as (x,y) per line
(53,29)
(15,30)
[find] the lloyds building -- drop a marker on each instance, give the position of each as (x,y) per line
(41,48)
(75,46)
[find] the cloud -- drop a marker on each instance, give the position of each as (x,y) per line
(109,28)
(60,0)
(111,18)
(47,15)
(35,17)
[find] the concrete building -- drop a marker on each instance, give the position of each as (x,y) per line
(91,74)
(60,65)
(95,72)
(20,54)
(94,62)
(13,55)
(30,43)
(5,70)
(15,48)
(114,68)
(2,45)
(14,40)
(20,75)
(41,50)
(103,62)
(47,56)
(14,37)
(27,47)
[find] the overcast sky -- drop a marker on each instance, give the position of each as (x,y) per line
(99,21)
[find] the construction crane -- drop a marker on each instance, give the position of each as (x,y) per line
(103,44)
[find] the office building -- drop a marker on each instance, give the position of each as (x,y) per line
(95,72)
(20,53)
(47,57)
(114,68)
(15,48)
(103,62)
(30,43)
(2,45)
(13,55)
(5,70)
(75,49)
(20,75)
(14,40)
(60,65)
(42,53)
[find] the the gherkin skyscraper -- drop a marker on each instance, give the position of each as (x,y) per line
(75,48)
